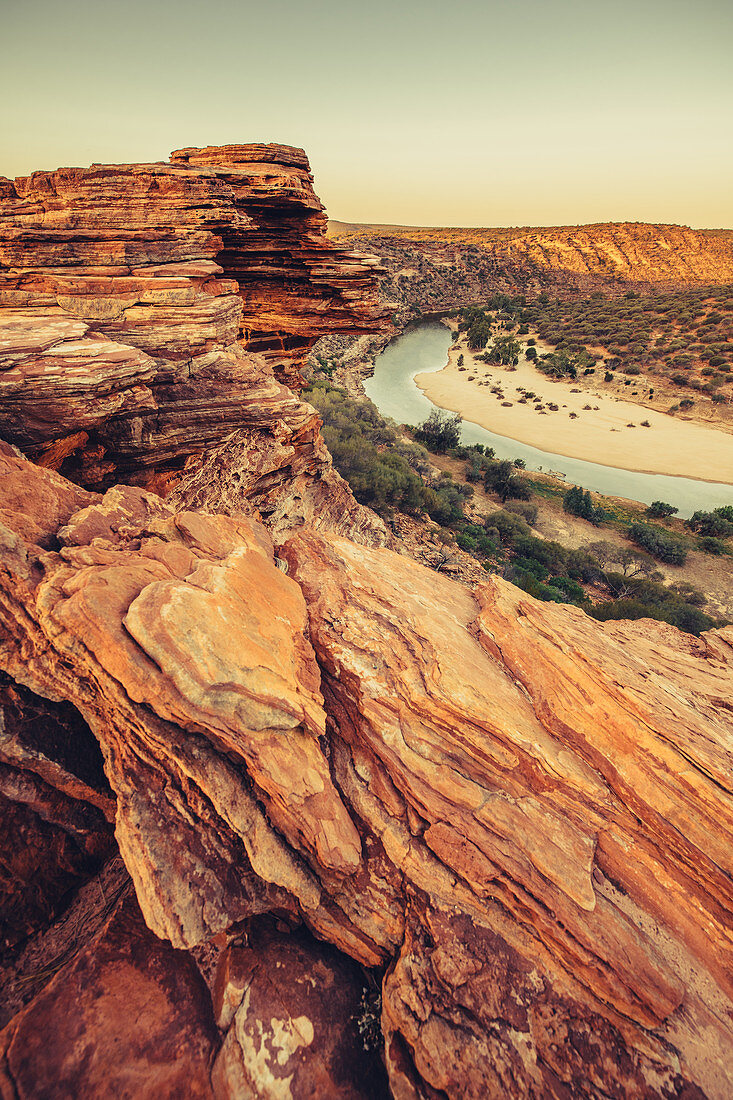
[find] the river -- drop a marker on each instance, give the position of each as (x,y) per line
(424,349)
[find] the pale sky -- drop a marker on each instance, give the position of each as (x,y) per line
(501,112)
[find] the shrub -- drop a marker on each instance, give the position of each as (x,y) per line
(659,509)
(528,512)
(715,524)
(501,479)
(571,588)
(579,503)
(658,543)
(712,546)
(440,431)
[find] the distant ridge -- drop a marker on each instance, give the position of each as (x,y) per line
(637,251)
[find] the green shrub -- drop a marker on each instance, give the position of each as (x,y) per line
(441,431)
(659,509)
(658,543)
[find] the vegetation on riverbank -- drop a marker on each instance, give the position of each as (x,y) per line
(681,340)
(391,474)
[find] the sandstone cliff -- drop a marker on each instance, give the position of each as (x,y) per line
(523,814)
(440,269)
(288,814)
(133,301)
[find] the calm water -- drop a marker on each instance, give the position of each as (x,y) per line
(425,349)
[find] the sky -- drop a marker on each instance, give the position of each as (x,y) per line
(462,113)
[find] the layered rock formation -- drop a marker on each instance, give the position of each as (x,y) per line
(563,259)
(132,299)
(523,814)
(631,251)
(327,770)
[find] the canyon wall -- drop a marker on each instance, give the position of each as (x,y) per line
(149,312)
(287,814)
(439,269)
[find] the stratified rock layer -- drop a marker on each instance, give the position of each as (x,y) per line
(523,815)
(560,259)
(562,789)
(132,300)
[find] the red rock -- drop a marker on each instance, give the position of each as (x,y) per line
(297,1019)
(556,785)
(525,809)
(522,815)
(127,296)
(181,649)
(129,1016)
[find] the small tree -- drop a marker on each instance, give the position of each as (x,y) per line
(715,524)
(659,509)
(580,503)
(440,431)
(505,350)
(503,480)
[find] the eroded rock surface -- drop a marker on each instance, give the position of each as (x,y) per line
(518,820)
(182,645)
(561,790)
(133,301)
(298,1022)
(522,814)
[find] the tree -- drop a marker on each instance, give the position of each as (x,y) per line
(580,503)
(503,480)
(715,524)
(440,431)
(658,543)
(505,350)
(659,509)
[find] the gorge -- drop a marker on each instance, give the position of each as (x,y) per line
(286,814)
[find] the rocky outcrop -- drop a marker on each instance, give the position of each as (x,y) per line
(297,1020)
(128,1016)
(327,770)
(522,816)
(628,250)
(561,792)
(133,299)
(294,283)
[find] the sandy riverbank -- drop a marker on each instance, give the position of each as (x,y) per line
(601,433)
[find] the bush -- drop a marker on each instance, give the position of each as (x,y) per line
(579,503)
(501,478)
(659,509)
(440,431)
(508,527)
(571,588)
(713,546)
(528,512)
(658,543)
(715,524)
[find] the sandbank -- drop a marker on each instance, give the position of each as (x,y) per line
(670,445)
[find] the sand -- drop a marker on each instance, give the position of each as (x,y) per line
(670,445)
